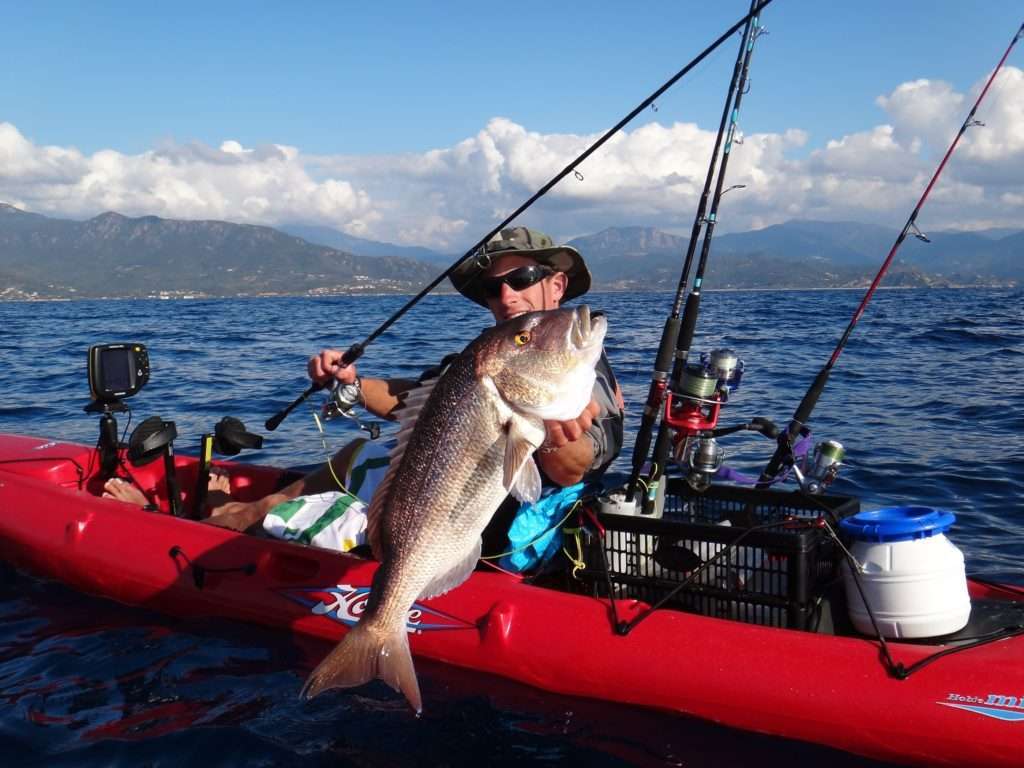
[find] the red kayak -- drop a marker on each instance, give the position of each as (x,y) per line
(802,678)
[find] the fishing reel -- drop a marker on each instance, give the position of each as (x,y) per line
(703,457)
(692,410)
(821,467)
(342,400)
(693,406)
(727,366)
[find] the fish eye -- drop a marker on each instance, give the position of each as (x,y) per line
(522,338)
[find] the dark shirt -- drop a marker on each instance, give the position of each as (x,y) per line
(606,431)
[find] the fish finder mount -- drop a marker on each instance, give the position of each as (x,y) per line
(116,371)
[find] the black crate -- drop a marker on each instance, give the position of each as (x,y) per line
(772,575)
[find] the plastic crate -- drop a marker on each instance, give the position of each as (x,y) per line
(772,576)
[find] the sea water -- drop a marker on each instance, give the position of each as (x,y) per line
(928,400)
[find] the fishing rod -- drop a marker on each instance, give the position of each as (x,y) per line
(355,351)
(783,452)
(677,335)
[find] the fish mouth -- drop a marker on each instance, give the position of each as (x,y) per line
(587,329)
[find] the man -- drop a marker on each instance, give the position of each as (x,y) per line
(519,271)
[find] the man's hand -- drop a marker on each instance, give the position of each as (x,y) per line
(327,365)
(561,433)
(564,457)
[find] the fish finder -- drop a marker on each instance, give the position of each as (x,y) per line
(117,370)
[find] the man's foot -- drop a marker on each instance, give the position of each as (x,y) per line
(218,491)
(122,490)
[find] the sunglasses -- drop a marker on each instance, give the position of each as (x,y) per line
(518,279)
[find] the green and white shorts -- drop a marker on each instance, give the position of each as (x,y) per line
(336,519)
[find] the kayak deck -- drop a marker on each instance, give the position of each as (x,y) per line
(818,687)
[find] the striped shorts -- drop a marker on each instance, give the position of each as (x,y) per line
(336,519)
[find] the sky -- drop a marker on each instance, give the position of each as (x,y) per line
(427,123)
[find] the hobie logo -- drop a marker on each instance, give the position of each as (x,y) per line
(997,706)
(345,604)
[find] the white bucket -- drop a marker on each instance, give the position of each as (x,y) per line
(912,575)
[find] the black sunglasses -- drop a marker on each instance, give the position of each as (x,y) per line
(518,279)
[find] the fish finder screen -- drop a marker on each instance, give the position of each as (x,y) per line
(116,365)
(117,370)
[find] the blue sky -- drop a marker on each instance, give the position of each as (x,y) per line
(353,87)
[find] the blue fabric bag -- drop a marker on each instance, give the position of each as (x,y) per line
(539,519)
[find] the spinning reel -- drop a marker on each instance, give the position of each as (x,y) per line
(821,467)
(692,410)
(341,401)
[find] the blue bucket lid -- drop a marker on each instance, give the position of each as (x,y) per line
(898,523)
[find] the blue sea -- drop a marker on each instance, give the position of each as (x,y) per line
(928,399)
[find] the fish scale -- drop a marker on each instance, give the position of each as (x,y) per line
(459,488)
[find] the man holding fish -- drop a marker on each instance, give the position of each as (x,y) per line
(520,271)
(523,272)
(537,382)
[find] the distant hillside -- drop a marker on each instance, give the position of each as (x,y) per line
(334,238)
(804,254)
(112,255)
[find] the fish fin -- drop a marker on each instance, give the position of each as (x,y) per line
(521,476)
(365,654)
(407,415)
(527,484)
(449,580)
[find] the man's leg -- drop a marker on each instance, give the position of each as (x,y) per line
(242,515)
(335,519)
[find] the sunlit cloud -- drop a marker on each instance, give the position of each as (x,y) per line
(650,175)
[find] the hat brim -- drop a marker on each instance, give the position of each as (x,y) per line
(562,258)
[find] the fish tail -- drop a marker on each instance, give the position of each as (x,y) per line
(364,654)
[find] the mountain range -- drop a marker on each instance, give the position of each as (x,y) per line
(806,254)
(112,255)
(115,256)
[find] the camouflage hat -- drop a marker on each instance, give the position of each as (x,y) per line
(525,242)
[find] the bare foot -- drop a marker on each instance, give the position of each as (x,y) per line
(218,491)
(122,490)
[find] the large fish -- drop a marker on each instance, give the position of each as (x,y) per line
(465,442)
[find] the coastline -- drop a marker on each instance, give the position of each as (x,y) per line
(321,294)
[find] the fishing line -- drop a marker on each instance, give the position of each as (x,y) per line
(356,351)
(677,335)
(803,412)
(330,457)
(529,544)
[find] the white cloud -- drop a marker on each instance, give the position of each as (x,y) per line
(925,109)
(193,181)
(652,174)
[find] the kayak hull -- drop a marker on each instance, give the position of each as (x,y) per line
(965,709)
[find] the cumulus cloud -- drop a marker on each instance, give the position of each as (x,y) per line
(267,184)
(650,175)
